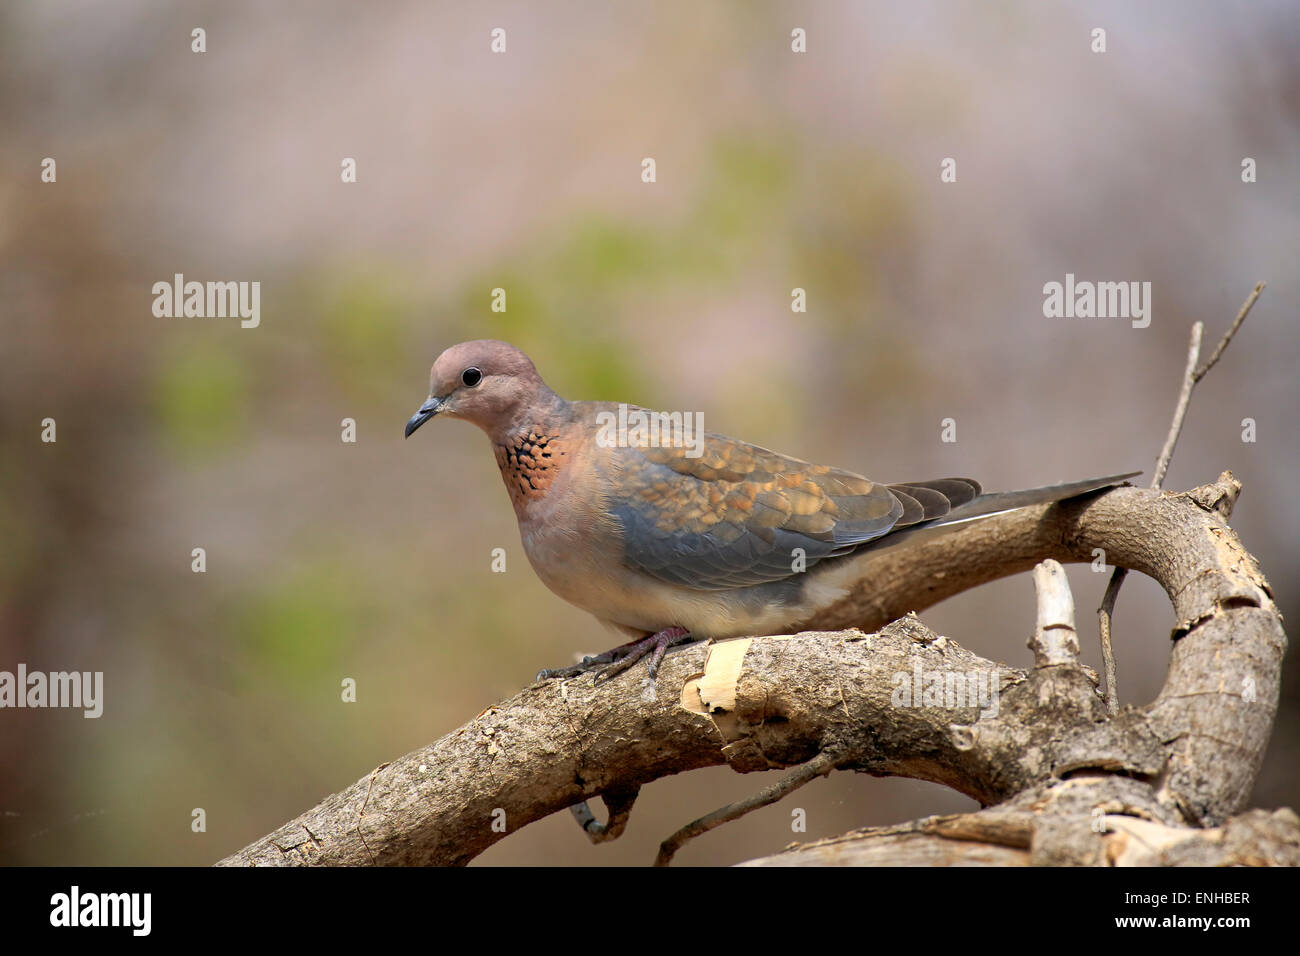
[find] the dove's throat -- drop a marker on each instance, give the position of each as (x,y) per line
(530,461)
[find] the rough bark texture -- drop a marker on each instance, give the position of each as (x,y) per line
(1063,780)
(1005,837)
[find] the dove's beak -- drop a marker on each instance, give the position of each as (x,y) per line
(426,411)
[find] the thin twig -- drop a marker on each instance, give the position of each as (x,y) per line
(1191,375)
(820,765)
(1180,410)
(1104,614)
(1223,342)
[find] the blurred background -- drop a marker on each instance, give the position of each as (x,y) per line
(521,170)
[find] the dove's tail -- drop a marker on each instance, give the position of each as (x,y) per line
(986,505)
(999,501)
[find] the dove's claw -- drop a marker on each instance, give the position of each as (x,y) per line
(655,645)
(618,659)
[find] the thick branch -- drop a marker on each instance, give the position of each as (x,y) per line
(1018,837)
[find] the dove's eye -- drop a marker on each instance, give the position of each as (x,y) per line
(471,377)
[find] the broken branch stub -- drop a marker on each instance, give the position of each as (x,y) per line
(1055,640)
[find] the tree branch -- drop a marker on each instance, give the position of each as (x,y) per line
(819,766)
(1188,758)
(1180,409)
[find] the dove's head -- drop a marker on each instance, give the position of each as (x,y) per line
(489,383)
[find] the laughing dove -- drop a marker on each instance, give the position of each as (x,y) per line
(675,541)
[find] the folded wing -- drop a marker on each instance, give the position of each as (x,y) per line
(739,515)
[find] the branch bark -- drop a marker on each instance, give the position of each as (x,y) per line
(1045,760)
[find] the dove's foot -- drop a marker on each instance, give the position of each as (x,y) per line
(618,659)
(656,645)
